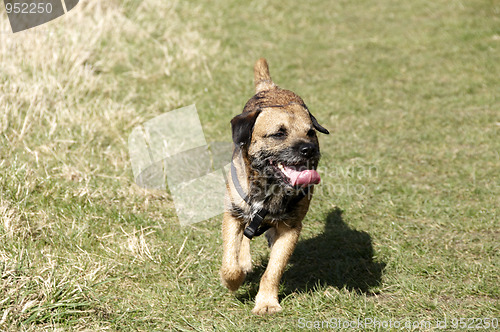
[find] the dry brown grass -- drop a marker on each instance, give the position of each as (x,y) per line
(68,94)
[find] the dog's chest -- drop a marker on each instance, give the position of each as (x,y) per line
(277,208)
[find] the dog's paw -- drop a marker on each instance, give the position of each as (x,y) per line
(266,307)
(232,278)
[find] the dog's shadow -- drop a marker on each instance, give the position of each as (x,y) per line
(340,257)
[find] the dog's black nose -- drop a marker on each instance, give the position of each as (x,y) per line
(308,150)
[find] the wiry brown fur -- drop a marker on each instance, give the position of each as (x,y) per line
(269,111)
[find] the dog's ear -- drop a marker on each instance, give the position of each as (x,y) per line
(242,127)
(317,126)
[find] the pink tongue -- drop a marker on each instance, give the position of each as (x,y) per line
(302,178)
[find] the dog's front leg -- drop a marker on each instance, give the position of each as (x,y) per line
(232,274)
(266,301)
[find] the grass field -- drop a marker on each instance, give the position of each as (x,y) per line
(403,228)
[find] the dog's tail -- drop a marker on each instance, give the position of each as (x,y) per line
(262,78)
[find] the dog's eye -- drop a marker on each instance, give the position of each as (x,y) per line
(279,135)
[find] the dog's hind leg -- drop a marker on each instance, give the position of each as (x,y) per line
(285,239)
(270,237)
(245,258)
(231,272)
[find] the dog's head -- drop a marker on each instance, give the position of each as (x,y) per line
(277,134)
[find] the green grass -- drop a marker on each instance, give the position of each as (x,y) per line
(405,225)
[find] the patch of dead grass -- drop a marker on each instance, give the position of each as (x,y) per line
(68,100)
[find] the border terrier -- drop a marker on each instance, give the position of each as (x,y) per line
(273,171)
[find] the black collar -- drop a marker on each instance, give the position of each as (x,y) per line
(255,227)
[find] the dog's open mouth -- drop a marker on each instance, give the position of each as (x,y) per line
(296,175)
